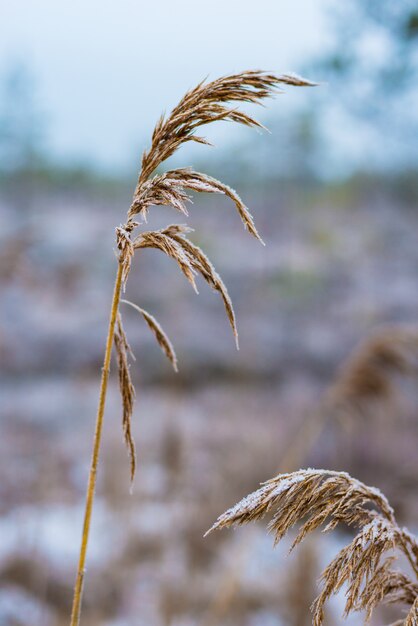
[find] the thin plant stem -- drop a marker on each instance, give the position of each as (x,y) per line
(78,588)
(200,106)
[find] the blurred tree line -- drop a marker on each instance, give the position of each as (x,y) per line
(374,59)
(27,166)
(363,119)
(371,67)
(22,124)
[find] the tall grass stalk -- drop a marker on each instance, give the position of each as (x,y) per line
(206,103)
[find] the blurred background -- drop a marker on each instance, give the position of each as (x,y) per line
(334,192)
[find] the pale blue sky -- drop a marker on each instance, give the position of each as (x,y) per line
(105,70)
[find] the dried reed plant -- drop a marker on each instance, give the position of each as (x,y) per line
(294,453)
(206,103)
(367,376)
(314,498)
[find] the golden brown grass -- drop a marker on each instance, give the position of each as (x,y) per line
(127,390)
(365,378)
(206,103)
(160,336)
(314,498)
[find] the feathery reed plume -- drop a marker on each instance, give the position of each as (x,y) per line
(206,103)
(159,334)
(191,259)
(315,498)
(162,240)
(127,390)
(292,456)
(202,264)
(366,376)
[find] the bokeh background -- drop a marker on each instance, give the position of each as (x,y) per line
(334,192)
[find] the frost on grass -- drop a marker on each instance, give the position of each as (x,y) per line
(313,498)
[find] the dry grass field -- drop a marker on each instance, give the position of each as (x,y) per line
(338,265)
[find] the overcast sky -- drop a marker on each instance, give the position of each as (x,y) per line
(104,70)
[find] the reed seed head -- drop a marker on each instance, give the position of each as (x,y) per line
(208,102)
(127,390)
(314,498)
(159,334)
